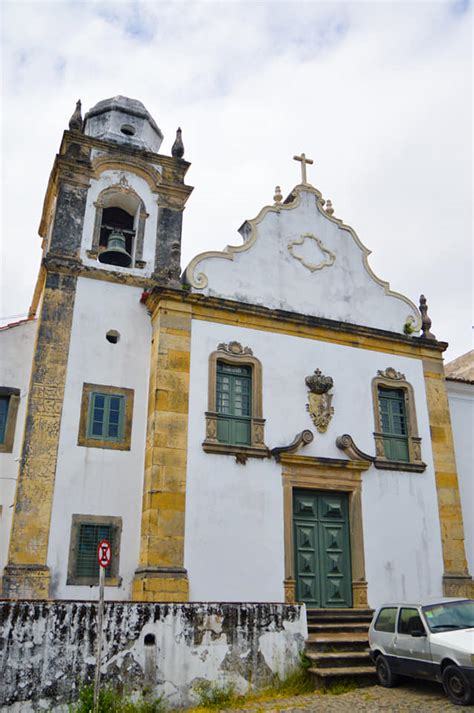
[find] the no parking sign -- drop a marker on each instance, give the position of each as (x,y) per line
(104,553)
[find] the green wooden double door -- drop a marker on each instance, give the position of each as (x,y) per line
(322,548)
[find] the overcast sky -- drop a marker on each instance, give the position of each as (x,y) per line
(379,94)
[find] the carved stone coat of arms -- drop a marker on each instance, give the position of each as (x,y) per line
(319,400)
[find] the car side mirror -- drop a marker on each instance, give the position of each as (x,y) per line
(418,633)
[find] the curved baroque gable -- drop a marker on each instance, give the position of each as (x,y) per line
(297,257)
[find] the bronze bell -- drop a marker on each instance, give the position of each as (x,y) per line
(116,254)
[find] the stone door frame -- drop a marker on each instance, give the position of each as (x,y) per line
(330,474)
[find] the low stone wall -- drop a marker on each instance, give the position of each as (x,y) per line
(47,649)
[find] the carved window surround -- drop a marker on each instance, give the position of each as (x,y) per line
(105,200)
(392,379)
(234,353)
(305,472)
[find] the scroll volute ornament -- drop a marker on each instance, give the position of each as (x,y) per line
(319,399)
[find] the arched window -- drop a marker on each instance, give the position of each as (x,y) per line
(234,423)
(120,213)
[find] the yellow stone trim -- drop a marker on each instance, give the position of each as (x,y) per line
(200,281)
(160,575)
(27,575)
(456,578)
(107,162)
(251,320)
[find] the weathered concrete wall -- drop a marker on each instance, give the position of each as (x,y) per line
(47,649)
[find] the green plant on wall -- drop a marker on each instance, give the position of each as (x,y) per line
(408,327)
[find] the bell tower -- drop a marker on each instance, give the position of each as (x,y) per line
(111,228)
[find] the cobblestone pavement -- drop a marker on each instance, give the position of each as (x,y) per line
(412,697)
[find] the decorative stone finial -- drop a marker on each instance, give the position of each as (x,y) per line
(177,150)
(75,122)
(329,209)
(278,195)
(425,320)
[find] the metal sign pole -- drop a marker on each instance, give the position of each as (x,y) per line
(103,563)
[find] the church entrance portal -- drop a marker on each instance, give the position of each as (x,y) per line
(322,553)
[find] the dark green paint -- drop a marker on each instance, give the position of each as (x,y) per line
(322,548)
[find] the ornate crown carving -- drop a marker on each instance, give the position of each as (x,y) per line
(318,383)
(234,348)
(392,374)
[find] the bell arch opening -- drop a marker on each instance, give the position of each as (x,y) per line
(119,228)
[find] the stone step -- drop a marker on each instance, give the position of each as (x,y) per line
(324,675)
(337,641)
(339,659)
(336,613)
(338,627)
(340,618)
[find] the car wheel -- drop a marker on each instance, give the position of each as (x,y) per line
(457,687)
(384,674)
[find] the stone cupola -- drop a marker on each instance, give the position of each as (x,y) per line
(124,121)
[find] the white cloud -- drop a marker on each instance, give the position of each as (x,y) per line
(379,94)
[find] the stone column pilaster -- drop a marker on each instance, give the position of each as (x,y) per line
(27,575)
(456,578)
(160,575)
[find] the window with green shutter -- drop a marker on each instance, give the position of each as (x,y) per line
(106,417)
(86,533)
(89,537)
(233,403)
(393,419)
(106,414)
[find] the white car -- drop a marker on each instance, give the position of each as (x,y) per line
(433,639)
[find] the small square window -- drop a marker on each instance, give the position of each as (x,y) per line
(86,533)
(9,402)
(106,417)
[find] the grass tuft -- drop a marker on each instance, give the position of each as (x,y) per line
(214,697)
(112,701)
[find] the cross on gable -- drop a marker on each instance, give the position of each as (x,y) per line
(303,161)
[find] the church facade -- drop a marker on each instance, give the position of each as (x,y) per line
(271,425)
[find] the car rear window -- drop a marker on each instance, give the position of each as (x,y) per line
(386,619)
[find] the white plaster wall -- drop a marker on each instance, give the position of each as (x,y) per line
(142,189)
(234,548)
(461,404)
(16,349)
(241,645)
(266,274)
(96,481)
